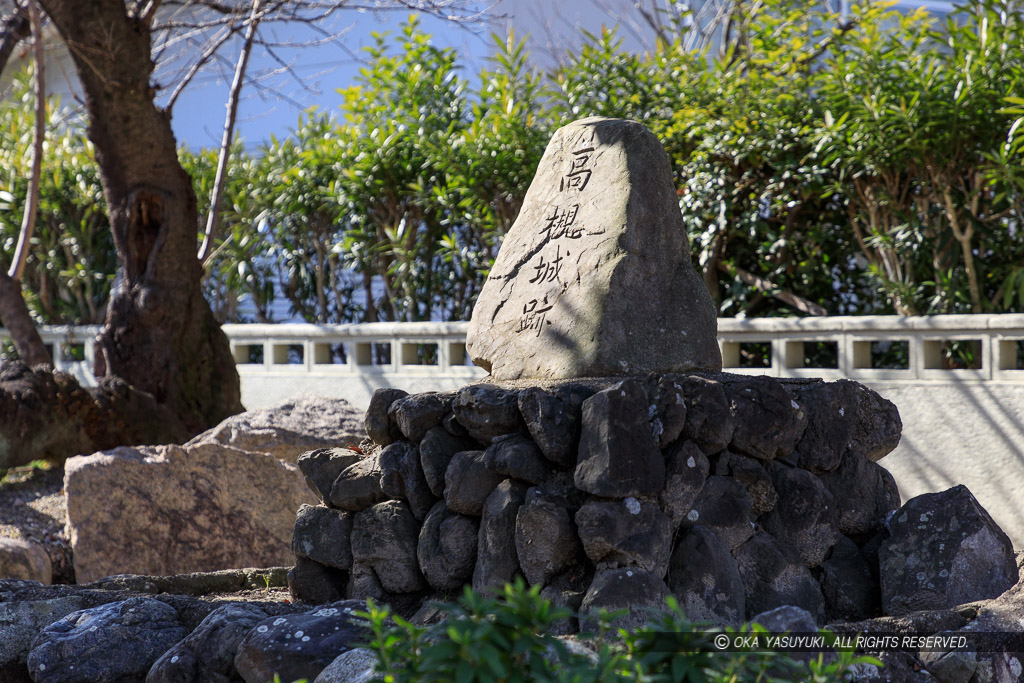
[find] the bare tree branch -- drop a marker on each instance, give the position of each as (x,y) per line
(220,180)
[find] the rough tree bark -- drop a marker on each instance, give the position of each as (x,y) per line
(164,365)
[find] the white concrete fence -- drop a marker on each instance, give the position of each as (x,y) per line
(958,381)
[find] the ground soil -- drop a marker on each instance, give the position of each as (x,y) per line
(32,507)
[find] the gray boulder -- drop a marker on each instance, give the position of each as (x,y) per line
(605,286)
(486,411)
(703,576)
(773,577)
(323,535)
(207,655)
(354,666)
(78,647)
(943,550)
(497,562)
(468,481)
(436,451)
(401,477)
(517,456)
(832,414)
(288,429)
(447,548)
(618,455)
(358,485)
(384,540)
(545,538)
(295,646)
(378,422)
(769,421)
(805,517)
(628,532)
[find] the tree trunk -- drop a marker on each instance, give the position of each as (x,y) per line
(160,335)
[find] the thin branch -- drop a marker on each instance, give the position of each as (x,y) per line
(229,132)
(28,219)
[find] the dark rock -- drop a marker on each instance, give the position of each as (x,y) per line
(953,666)
(753,476)
(436,451)
(769,421)
(364,584)
(453,427)
(561,490)
(773,577)
(322,535)
(927,622)
(496,560)
(635,590)
(312,582)
(709,418)
(831,409)
(516,456)
(79,646)
(468,481)
(297,646)
(358,485)
(686,469)
(667,411)
(804,519)
(624,533)
(379,425)
(878,426)
(384,539)
(447,548)
(863,492)
(786,619)
(724,506)
(702,574)
(618,456)
(897,667)
(418,413)
(401,477)
(851,594)
(944,550)
(487,411)
(553,420)
(546,541)
(321,467)
(572,600)
(207,655)
(21,620)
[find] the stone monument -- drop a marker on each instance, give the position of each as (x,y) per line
(594,278)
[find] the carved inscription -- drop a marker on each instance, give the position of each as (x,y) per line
(561,222)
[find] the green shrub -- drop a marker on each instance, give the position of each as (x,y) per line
(504,638)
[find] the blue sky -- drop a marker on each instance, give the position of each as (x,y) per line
(198,116)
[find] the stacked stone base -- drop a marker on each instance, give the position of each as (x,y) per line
(736,494)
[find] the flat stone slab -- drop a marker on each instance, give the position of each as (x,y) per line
(595,277)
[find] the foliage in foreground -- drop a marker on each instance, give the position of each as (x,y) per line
(504,639)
